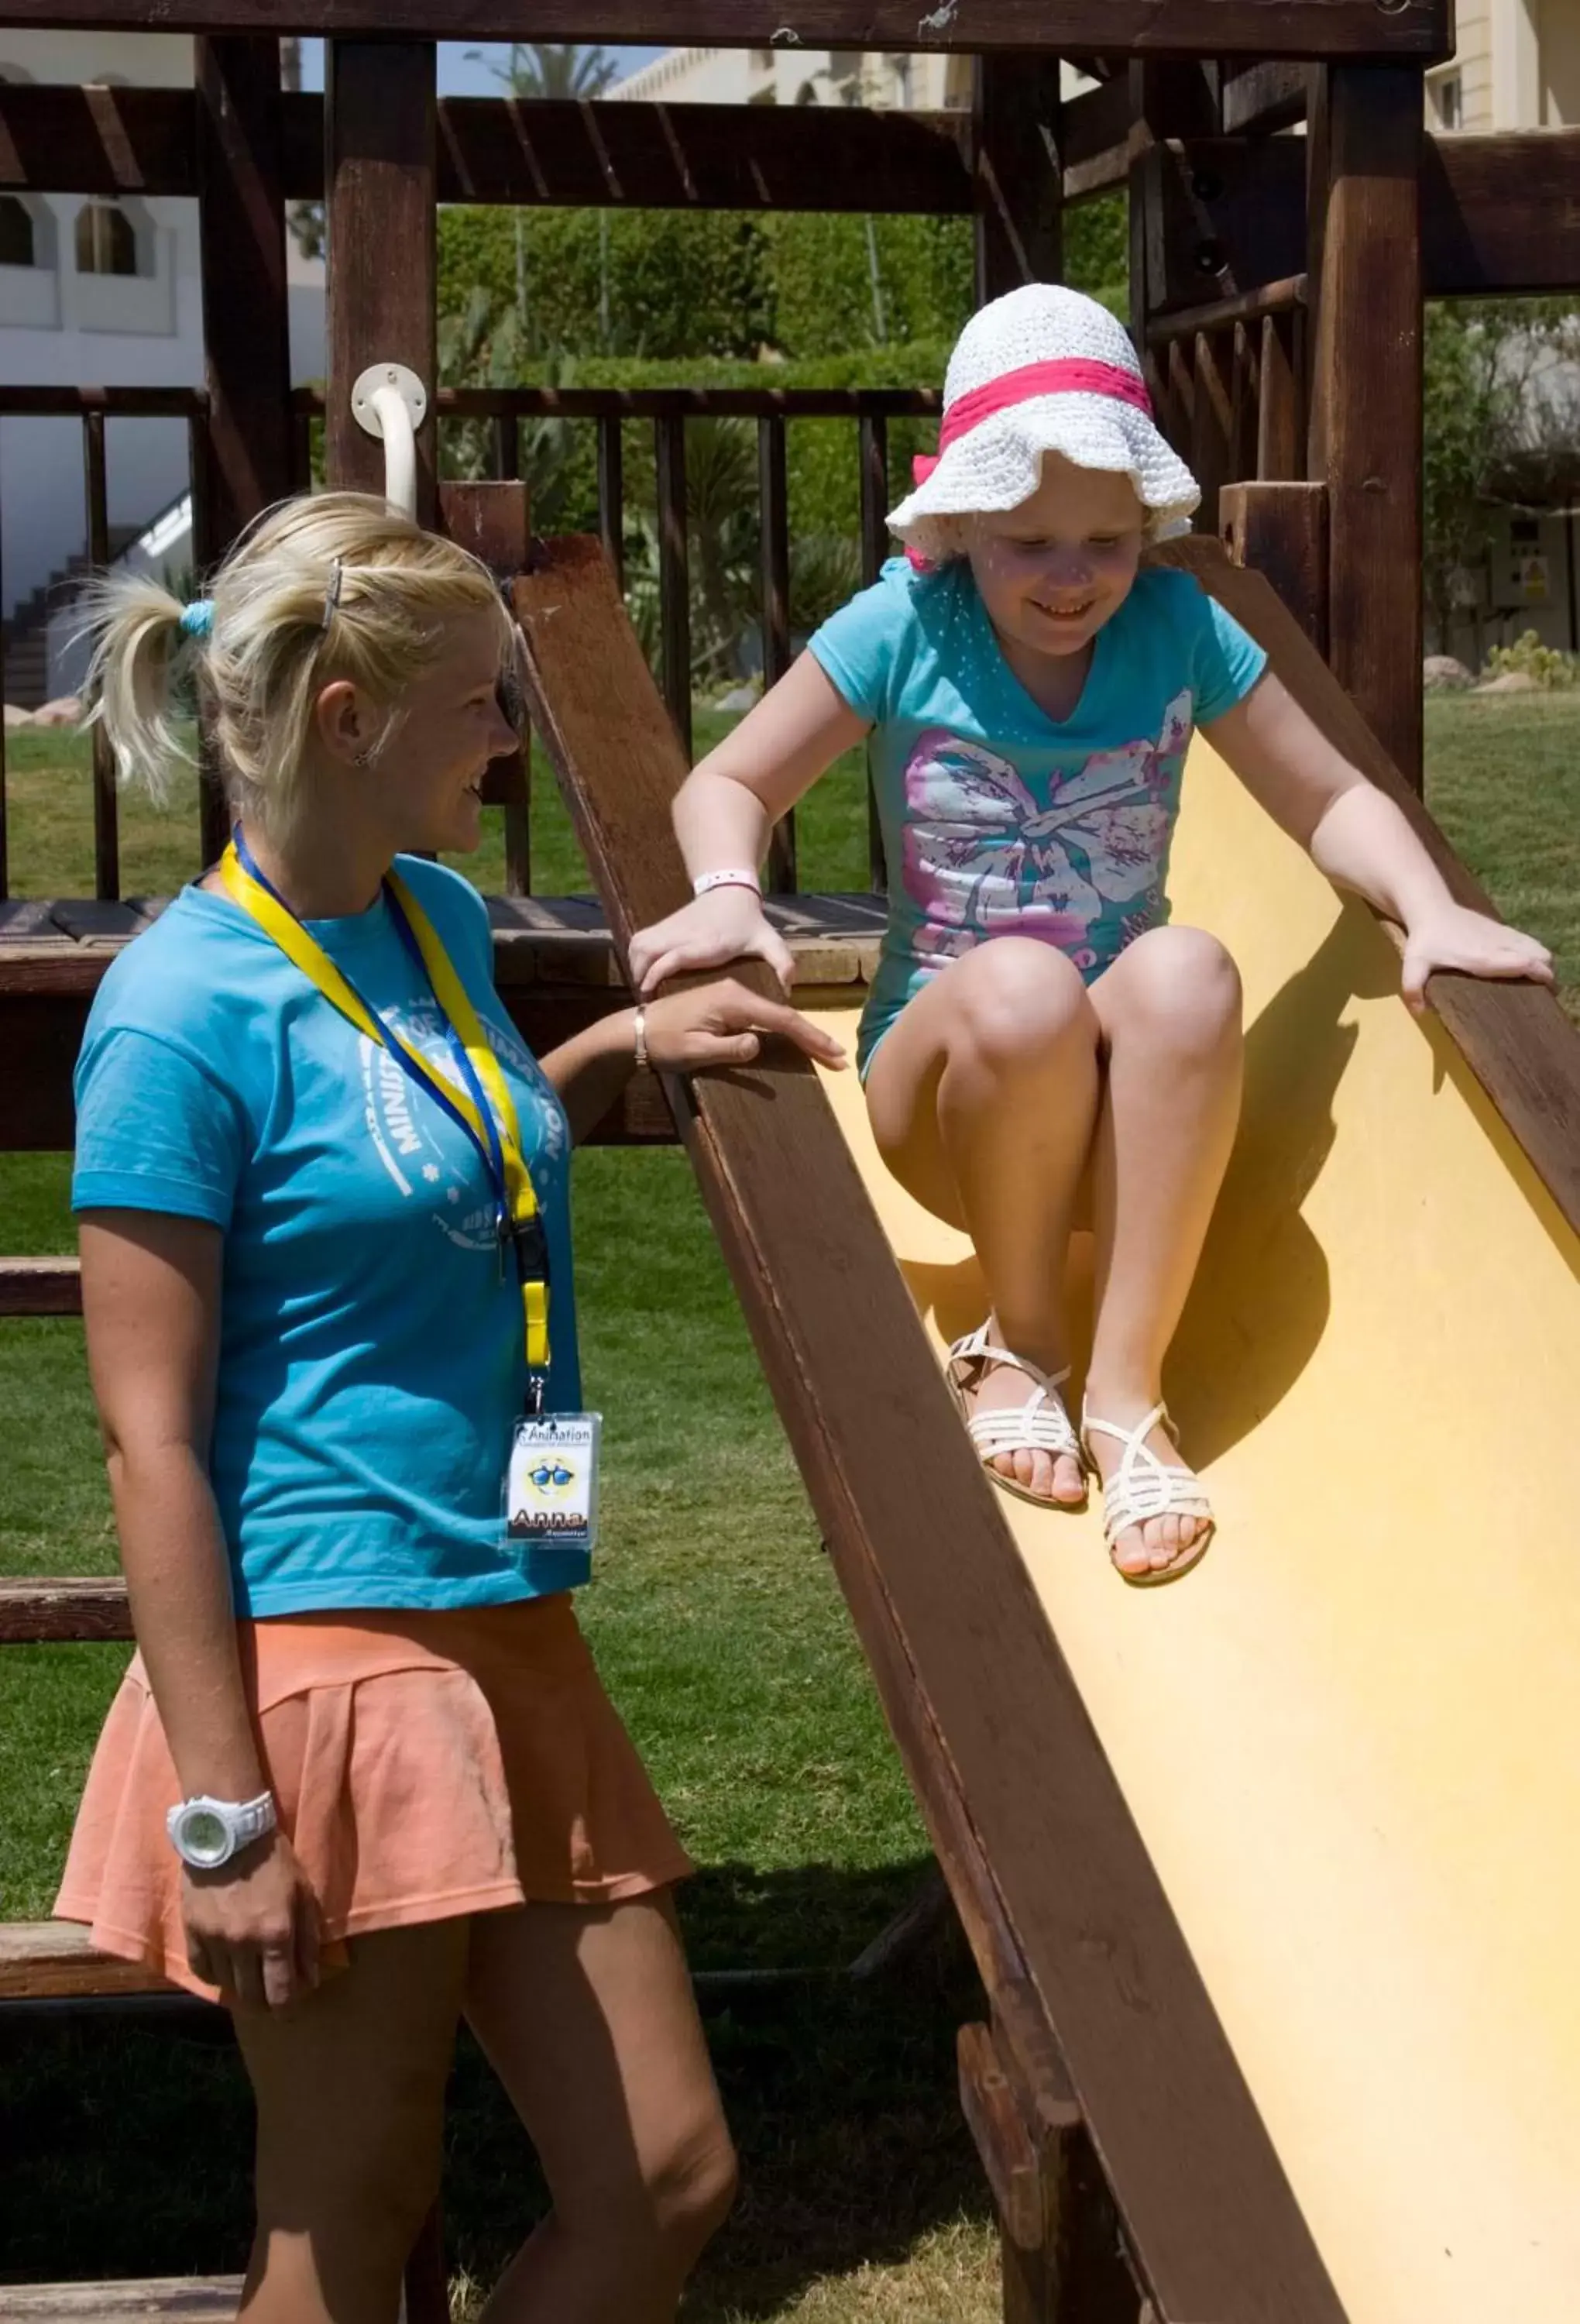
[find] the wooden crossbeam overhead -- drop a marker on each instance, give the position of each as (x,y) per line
(1420,30)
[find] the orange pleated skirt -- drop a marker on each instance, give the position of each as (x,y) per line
(423,1766)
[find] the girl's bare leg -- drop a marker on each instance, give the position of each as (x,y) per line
(983,1099)
(350,2087)
(1170,1013)
(587,2018)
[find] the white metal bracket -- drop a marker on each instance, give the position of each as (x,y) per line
(390,401)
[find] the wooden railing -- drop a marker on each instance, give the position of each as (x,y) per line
(607,411)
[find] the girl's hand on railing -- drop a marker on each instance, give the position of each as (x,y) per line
(1456,937)
(724,1024)
(252,1925)
(725,925)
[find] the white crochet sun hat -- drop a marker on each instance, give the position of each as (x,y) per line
(1041,370)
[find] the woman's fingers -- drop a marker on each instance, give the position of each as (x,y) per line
(777,1017)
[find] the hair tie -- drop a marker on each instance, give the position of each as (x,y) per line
(197,618)
(332,594)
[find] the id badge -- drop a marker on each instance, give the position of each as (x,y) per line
(551,1486)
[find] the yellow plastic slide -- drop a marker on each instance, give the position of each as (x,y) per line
(1352,1738)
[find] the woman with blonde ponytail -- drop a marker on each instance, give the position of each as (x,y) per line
(362,1778)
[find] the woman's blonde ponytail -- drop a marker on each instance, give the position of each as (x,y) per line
(136,628)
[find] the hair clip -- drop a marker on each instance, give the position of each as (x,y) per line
(332,594)
(197,618)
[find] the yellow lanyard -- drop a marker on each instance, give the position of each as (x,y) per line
(492,1124)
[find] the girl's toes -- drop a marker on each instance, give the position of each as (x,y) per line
(1131,1555)
(1069,1484)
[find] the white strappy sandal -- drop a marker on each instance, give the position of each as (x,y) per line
(1041,1425)
(1144,1486)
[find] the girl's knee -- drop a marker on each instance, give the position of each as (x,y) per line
(1181,983)
(1020,1001)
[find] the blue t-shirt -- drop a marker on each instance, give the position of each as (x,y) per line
(998,821)
(371,1352)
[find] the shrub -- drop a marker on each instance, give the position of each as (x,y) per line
(1529,658)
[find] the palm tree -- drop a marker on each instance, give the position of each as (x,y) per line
(554,69)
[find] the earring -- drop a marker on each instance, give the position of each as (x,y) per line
(364,757)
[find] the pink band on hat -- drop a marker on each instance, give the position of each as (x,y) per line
(1068,375)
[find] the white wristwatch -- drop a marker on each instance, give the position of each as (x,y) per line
(206,1833)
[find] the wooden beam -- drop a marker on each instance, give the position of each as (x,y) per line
(1263,98)
(1231,215)
(161,2300)
(1095,139)
(40,1286)
(247,314)
(1281,530)
(1416,28)
(1020,180)
(1514,1037)
(1365,422)
(1500,213)
(379,170)
(39,1610)
(1026,1818)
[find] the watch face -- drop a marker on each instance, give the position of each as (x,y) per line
(204,1837)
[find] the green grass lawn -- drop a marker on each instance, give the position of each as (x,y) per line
(720,1629)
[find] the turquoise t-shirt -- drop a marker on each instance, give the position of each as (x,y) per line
(996,819)
(371,1356)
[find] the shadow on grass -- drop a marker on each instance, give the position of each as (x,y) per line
(129,2145)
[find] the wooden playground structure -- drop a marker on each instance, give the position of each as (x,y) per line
(1173,2130)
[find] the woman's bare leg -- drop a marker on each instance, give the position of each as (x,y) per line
(350,2087)
(983,1099)
(1170,1012)
(587,2016)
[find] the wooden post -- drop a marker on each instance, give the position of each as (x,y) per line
(1019,175)
(1281,530)
(1365,439)
(242,461)
(246,321)
(378,179)
(1166,100)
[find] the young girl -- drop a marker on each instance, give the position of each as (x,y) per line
(362,1777)
(1035,1021)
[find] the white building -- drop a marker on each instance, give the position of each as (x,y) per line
(787,74)
(102,294)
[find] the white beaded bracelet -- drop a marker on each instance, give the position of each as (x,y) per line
(712,879)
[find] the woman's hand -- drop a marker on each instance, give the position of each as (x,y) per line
(1453,936)
(252,1925)
(723,1025)
(726,924)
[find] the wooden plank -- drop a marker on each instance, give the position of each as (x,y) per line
(774,611)
(40,1286)
(1500,213)
(872,451)
(1212,421)
(673,572)
(181,2299)
(1093,139)
(1025,1815)
(542,151)
(1281,424)
(379,170)
(1000,2137)
(1515,1038)
(1231,218)
(1281,530)
(106,801)
(1246,307)
(1015,111)
(1366,408)
(1262,98)
(247,314)
(1419,29)
(37,1609)
(494,521)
